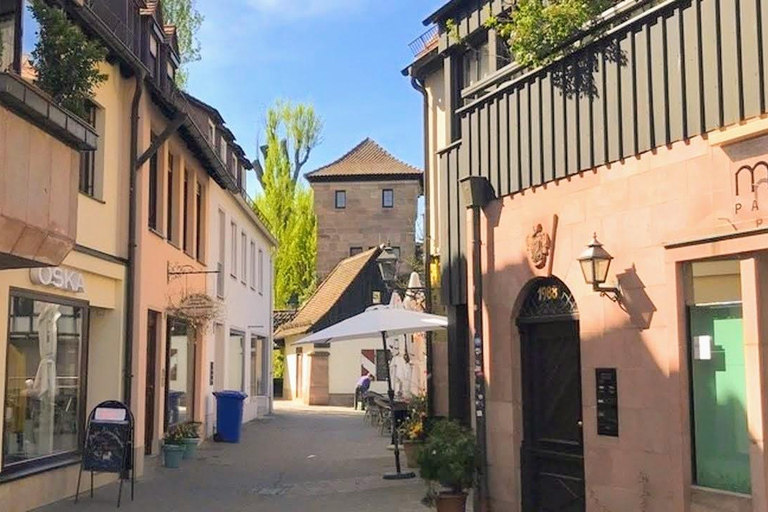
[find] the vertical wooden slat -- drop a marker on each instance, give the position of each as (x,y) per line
(658,82)
(470,141)
(710,57)
(750,57)
(693,79)
(515,175)
(674,68)
(585,114)
(597,130)
(560,101)
(762,48)
(464,158)
(525,135)
(481,141)
(627,79)
(643,106)
(504,144)
(730,54)
(535,116)
(446,228)
(547,143)
(494,144)
(462,245)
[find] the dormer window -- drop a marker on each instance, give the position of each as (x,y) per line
(153,50)
(170,70)
(211,132)
(223,150)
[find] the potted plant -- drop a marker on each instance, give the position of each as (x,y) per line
(412,431)
(173,448)
(190,432)
(448,460)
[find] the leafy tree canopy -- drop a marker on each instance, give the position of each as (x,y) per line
(537,30)
(187,20)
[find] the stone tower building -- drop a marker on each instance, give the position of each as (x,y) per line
(365,198)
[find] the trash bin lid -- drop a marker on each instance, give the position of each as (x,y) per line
(230,394)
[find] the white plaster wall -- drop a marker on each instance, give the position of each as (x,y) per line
(247,310)
(345,366)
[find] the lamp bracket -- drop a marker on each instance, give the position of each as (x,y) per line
(612,292)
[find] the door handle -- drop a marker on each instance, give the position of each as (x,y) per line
(580,424)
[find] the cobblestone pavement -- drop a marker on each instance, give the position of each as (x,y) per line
(300,459)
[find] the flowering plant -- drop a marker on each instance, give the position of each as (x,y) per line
(412,429)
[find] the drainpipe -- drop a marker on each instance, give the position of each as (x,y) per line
(478,193)
(130,289)
(418,84)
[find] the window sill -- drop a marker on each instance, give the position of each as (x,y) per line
(156,233)
(38,467)
(93,198)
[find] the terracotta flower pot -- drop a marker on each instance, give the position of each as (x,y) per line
(451,502)
(411,449)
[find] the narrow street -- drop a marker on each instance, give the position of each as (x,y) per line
(299,459)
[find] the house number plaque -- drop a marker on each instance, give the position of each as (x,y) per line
(607,402)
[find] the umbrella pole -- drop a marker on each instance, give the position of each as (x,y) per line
(399,475)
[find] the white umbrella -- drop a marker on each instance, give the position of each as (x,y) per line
(381,321)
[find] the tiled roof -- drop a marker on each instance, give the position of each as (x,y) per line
(327,294)
(366,159)
(282,316)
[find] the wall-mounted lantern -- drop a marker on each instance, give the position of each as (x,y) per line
(595,263)
(388,262)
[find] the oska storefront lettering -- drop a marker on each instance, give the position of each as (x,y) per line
(750,192)
(58,277)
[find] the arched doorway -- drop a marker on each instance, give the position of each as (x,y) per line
(553,448)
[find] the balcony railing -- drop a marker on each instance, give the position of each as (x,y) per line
(425,42)
(122,18)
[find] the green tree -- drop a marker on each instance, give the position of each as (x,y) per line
(66,61)
(300,130)
(288,206)
(537,31)
(187,20)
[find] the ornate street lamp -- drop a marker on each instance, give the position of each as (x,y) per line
(595,262)
(388,263)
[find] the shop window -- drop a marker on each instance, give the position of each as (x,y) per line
(180,366)
(236,361)
(44,393)
(381,365)
(259,370)
(718,378)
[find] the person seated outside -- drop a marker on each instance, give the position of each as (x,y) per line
(363,385)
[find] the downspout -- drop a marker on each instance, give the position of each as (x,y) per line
(418,84)
(477,192)
(130,289)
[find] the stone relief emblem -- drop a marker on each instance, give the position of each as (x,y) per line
(539,246)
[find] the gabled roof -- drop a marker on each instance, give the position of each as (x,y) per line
(281,317)
(366,160)
(327,294)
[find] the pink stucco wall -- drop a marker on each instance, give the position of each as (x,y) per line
(640,209)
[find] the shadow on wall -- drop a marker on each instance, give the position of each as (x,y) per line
(649,466)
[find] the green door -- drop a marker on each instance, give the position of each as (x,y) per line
(721,437)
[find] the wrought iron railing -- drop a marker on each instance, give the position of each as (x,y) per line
(425,41)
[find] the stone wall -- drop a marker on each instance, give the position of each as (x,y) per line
(364,222)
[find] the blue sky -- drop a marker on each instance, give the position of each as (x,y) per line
(344,56)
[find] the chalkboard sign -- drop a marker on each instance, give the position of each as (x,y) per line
(108,443)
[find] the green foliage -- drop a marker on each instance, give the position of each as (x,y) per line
(414,427)
(188,20)
(67,62)
(174,436)
(190,430)
(536,30)
(288,206)
(449,456)
(278,364)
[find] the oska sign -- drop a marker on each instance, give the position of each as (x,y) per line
(58,277)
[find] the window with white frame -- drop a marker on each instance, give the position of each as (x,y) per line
(222,254)
(259,366)
(253,265)
(261,271)
(233,268)
(244,262)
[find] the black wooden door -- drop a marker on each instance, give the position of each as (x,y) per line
(149,388)
(552,449)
